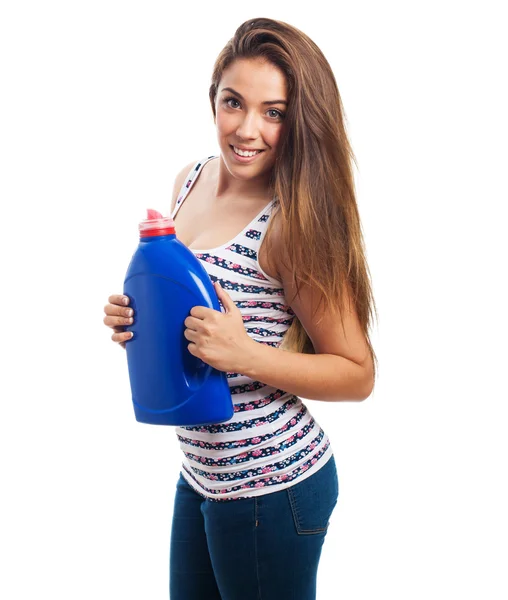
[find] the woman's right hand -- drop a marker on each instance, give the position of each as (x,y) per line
(117,316)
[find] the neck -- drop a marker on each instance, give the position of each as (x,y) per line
(227,187)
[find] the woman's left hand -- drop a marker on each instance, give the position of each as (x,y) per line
(219,339)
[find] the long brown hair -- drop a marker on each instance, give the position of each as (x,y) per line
(312,178)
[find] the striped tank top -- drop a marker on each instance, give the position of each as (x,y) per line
(272,441)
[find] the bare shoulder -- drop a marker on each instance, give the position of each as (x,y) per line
(179,181)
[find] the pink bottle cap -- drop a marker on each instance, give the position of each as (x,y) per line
(156,224)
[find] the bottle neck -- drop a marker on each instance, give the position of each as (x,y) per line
(156,238)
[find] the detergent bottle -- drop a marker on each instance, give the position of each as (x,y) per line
(164,281)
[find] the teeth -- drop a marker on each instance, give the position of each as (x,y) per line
(243,153)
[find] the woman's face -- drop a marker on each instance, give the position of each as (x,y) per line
(250,114)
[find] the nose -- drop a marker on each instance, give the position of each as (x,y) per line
(248,128)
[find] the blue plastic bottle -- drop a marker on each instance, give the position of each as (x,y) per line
(164,281)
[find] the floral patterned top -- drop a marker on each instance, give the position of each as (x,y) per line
(272,441)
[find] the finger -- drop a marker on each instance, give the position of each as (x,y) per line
(112,321)
(190,334)
(124,336)
(115,310)
(201,312)
(121,299)
(192,322)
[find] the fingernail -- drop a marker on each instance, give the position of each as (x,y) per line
(125,300)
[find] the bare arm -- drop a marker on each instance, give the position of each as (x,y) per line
(342,367)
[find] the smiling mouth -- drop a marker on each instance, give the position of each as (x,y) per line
(257,151)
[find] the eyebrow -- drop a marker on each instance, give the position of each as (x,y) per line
(228,89)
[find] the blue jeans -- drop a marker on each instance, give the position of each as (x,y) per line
(262,548)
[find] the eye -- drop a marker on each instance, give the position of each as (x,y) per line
(227,100)
(278,114)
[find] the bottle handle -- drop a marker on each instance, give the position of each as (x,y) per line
(197,374)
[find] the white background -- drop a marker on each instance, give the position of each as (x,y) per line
(102,103)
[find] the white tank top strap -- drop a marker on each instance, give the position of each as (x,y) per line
(189,182)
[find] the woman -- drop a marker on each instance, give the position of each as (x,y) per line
(274,221)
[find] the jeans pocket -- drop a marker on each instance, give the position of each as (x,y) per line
(312,501)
